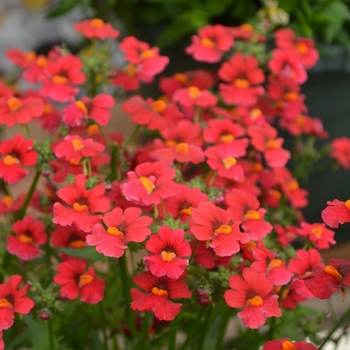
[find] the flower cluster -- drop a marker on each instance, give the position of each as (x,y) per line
(206,204)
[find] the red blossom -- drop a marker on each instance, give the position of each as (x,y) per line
(121,227)
(193,97)
(157,295)
(20,58)
(340,151)
(253,292)
(13,300)
(74,279)
(17,153)
(68,236)
(336,212)
(169,251)
(318,234)
(286,344)
(82,204)
(96,28)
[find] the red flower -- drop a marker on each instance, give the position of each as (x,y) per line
(74,148)
(245,32)
(30,233)
(96,108)
(245,207)
(150,183)
(169,251)
(20,110)
(304,47)
(243,75)
(20,58)
(206,256)
(337,212)
(286,344)
(60,76)
(275,269)
(35,71)
(9,205)
(13,300)
(253,292)
(96,28)
(122,227)
(17,153)
(193,97)
(215,224)
(74,280)
(287,63)
(210,44)
(324,281)
(181,204)
(158,294)
(68,236)
(340,151)
(82,204)
(318,234)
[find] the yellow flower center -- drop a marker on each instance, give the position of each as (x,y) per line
(80,207)
(300,120)
(115,232)
(77,244)
(241,83)
(59,79)
(333,272)
(317,231)
(251,215)
(13,104)
(255,113)
(42,61)
(73,162)
(186,211)
(158,106)
(9,160)
(208,43)
(288,345)
(347,204)
(97,23)
(275,263)
(291,96)
(85,279)
(256,301)
(147,54)
(25,238)
(48,108)
(147,184)
(8,200)
(180,77)
(246,27)
(81,106)
(93,129)
(257,168)
(302,47)
(30,56)
(77,144)
(194,92)
(229,162)
(293,185)
(182,147)
(227,138)
(159,292)
(4,303)
(223,230)
(167,256)
(274,193)
(272,143)
(130,70)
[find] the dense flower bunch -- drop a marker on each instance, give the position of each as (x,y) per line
(194,225)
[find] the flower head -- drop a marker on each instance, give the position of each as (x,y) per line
(96,28)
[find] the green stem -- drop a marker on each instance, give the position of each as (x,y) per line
(4,188)
(172,333)
(126,143)
(114,160)
(204,329)
(103,322)
(222,328)
(88,162)
(125,284)
(51,342)
(164,209)
(336,326)
(29,195)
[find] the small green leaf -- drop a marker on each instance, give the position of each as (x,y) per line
(216,8)
(83,253)
(62,7)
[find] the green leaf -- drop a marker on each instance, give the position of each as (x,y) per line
(62,7)
(216,8)
(334,12)
(83,253)
(288,5)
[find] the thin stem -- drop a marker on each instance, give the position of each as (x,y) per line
(126,143)
(114,160)
(164,210)
(29,195)
(88,162)
(222,328)
(51,342)
(4,188)
(172,333)
(103,322)
(204,329)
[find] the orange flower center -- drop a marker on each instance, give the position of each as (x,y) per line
(93,129)
(13,104)
(256,301)
(291,96)
(229,162)
(130,70)
(97,23)
(194,92)
(347,204)
(273,143)
(9,160)
(288,345)
(147,54)
(302,47)
(115,232)
(333,272)
(81,106)
(159,292)
(158,106)
(8,200)
(223,230)
(317,231)
(77,145)
(73,162)
(42,61)
(257,168)
(250,245)
(167,256)
(227,138)
(186,211)
(147,184)
(59,79)
(241,83)
(80,207)
(85,279)
(246,27)
(182,147)
(180,77)
(274,193)
(293,185)
(300,120)
(171,143)
(77,244)
(30,56)
(25,238)
(208,43)
(275,263)
(4,303)
(251,215)
(48,108)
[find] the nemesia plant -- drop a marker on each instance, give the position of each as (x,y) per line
(158,242)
